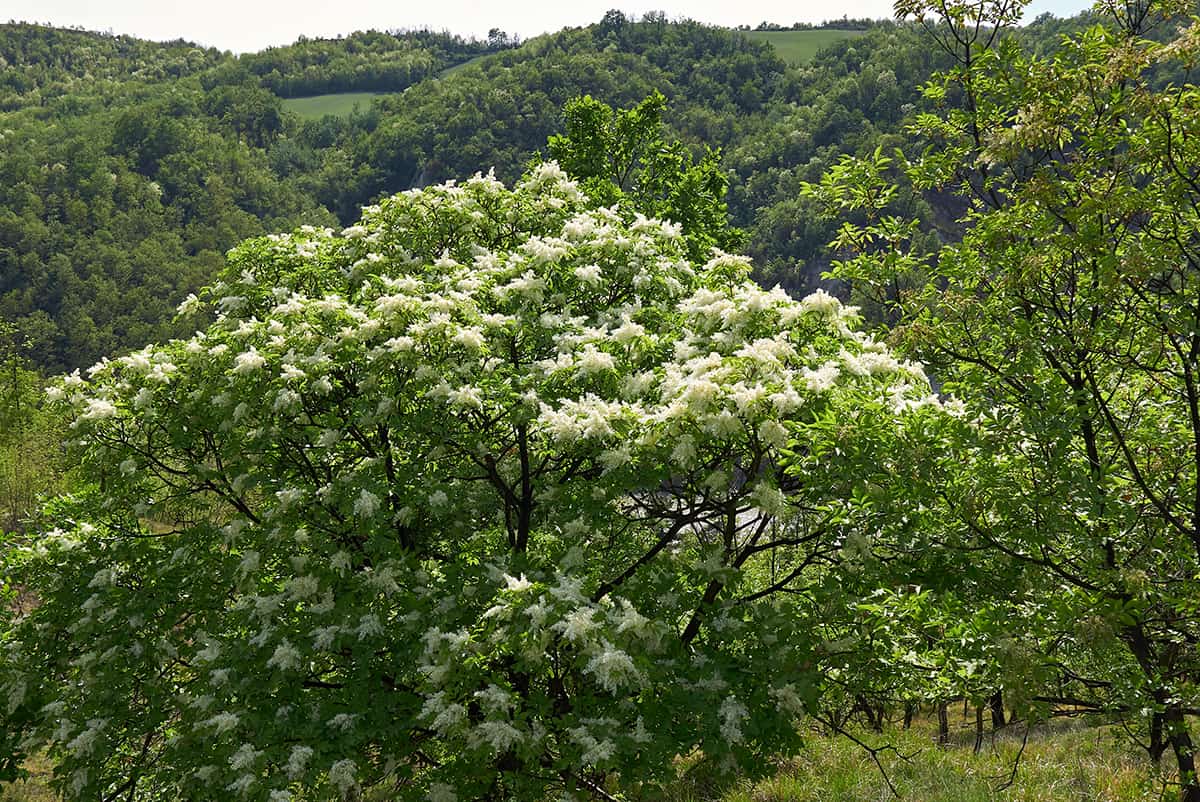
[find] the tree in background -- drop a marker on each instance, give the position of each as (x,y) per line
(622,155)
(29,434)
(1068,320)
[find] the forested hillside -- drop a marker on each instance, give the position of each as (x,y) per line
(482,440)
(128,168)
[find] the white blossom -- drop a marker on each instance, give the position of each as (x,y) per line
(592,360)
(499,735)
(244,757)
(684,452)
(773,433)
(344,774)
(98,409)
(343,721)
(517,585)
(578,624)
(248,362)
(589,274)
(190,305)
(83,744)
(303,587)
(613,668)
(241,786)
(297,760)
(821,303)
(366,504)
(732,714)
(494,699)
(285,658)
(369,626)
(223,722)
(823,378)
(595,750)
(788,699)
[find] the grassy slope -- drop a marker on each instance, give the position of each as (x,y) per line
(463,65)
(798,47)
(1062,761)
(339,105)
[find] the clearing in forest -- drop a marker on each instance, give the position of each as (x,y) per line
(798,47)
(340,104)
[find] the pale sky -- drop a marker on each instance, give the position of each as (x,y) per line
(248,25)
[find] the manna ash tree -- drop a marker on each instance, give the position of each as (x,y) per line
(490,495)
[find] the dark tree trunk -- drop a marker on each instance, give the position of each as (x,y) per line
(978,729)
(943,723)
(1185,753)
(872,713)
(910,710)
(996,703)
(1158,744)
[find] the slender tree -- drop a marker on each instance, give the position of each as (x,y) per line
(1068,320)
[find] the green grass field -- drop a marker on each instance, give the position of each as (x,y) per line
(798,47)
(339,105)
(1063,761)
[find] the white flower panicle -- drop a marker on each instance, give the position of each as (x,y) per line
(732,714)
(98,409)
(297,761)
(248,362)
(344,775)
(500,736)
(613,668)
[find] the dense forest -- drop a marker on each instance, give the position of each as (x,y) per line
(130,167)
(580,415)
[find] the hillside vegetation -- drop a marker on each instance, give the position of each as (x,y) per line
(488,443)
(130,167)
(799,47)
(339,104)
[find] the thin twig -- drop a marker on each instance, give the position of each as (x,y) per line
(1012,775)
(592,787)
(874,752)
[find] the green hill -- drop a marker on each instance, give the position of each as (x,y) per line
(798,47)
(130,167)
(462,65)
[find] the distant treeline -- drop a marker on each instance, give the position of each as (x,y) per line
(366,61)
(843,24)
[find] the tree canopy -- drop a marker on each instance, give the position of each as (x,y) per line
(490,494)
(1068,321)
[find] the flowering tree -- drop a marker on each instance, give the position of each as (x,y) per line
(488,496)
